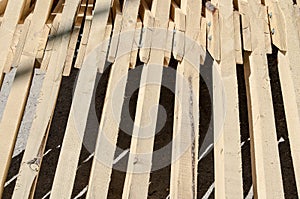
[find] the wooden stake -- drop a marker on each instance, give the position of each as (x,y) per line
(111,114)
(265,154)
(227,147)
(18,95)
(141,149)
(47,100)
(12,15)
(83,44)
(288,67)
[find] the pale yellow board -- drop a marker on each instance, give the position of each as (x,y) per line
(71,51)
(115,38)
(17,39)
(148,24)
(13,112)
(111,113)
(227,143)
(268,42)
(11,17)
(169,43)
(277,24)
(184,169)
(71,147)
(43,43)
(246,27)
(135,45)
(47,101)
(83,44)
(237,38)
(21,43)
(213,34)
(266,163)
(142,143)
(50,43)
(179,18)
(116,32)
(289,71)
(202,38)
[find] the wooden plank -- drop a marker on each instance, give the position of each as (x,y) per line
(50,43)
(179,18)
(135,46)
(169,43)
(186,116)
(237,38)
(104,45)
(13,47)
(227,147)
(18,96)
(277,24)
(268,42)
(83,43)
(202,38)
(115,38)
(142,143)
(116,32)
(111,114)
(71,147)
(246,28)
(20,46)
(289,78)
(71,51)
(33,154)
(43,43)
(11,17)
(185,143)
(265,154)
(213,34)
(148,24)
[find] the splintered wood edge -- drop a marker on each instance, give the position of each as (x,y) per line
(136,184)
(100,173)
(66,170)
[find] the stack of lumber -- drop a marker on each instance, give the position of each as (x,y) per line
(43,40)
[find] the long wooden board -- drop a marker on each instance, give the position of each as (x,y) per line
(184,169)
(111,114)
(12,15)
(227,147)
(265,154)
(47,100)
(142,142)
(289,71)
(71,147)
(18,95)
